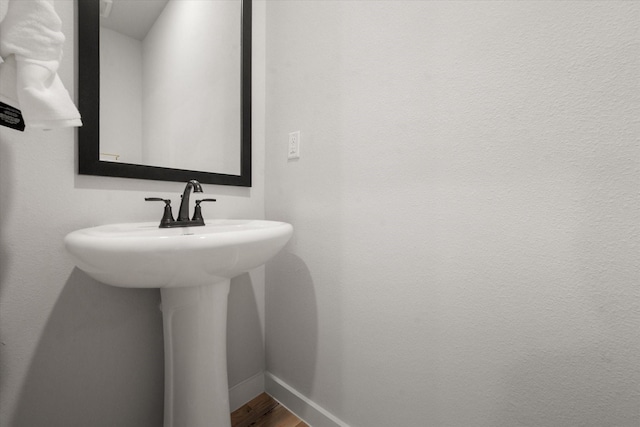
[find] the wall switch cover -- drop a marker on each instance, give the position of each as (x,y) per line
(294,145)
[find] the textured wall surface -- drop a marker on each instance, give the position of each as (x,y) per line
(466,211)
(75,352)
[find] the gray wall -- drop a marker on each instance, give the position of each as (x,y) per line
(465,211)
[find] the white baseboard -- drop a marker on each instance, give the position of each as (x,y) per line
(242,393)
(303,407)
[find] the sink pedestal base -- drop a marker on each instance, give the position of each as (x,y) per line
(195,352)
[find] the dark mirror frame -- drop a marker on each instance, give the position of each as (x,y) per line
(89,162)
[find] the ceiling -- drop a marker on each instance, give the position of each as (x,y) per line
(133,18)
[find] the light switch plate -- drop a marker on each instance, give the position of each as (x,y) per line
(294,145)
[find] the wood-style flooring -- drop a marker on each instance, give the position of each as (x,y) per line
(264,411)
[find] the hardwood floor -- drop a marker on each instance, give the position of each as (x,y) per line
(264,411)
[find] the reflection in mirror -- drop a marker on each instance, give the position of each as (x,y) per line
(192,47)
(173,85)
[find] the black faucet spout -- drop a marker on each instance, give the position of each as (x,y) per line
(194,186)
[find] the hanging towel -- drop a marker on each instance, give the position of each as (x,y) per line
(3,10)
(31,47)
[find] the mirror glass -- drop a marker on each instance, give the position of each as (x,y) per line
(167,93)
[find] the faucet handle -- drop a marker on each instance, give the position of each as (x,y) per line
(167,217)
(197,212)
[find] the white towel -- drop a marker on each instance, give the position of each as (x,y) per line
(30,32)
(4,4)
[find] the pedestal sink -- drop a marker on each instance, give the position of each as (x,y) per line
(193,267)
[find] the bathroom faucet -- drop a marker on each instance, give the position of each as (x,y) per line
(183,220)
(183,214)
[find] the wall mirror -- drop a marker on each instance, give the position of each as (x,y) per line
(165,90)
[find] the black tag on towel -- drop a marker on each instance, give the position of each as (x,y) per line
(11,117)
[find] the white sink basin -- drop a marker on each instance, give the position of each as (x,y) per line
(193,267)
(141,255)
